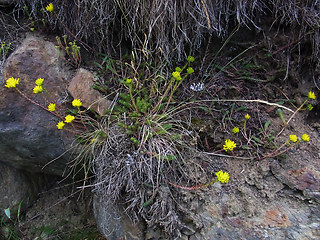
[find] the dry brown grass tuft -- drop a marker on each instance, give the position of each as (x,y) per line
(169,28)
(140,177)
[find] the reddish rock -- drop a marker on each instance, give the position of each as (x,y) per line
(81,88)
(276,218)
(305,179)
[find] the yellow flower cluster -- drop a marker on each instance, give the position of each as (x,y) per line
(49,7)
(190,70)
(235,130)
(311,95)
(37,89)
(128,81)
(305,137)
(39,81)
(76,103)
(247,116)
(229,145)
(190,59)
(177,76)
(12,82)
(222,177)
(60,125)
(69,118)
(52,107)
(293,138)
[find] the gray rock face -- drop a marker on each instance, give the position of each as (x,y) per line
(113,222)
(18,187)
(28,133)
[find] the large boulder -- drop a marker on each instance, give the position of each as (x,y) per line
(29,137)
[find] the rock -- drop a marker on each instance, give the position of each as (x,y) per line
(28,133)
(81,88)
(276,218)
(113,223)
(17,187)
(231,216)
(196,236)
(305,179)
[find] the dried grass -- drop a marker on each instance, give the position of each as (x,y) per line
(139,177)
(170,28)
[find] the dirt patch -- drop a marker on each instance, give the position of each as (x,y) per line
(60,213)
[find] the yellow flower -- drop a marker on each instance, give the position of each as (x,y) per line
(37,89)
(52,107)
(311,95)
(60,125)
(69,118)
(190,70)
(12,82)
(293,138)
(229,145)
(305,137)
(39,81)
(235,130)
(128,81)
(176,75)
(178,69)
(247,116)
(76,103)
(190,59)
(49,7)
(222,177)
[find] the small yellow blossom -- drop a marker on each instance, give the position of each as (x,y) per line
(49,7)
(190,59)
(311,95)
(190,70)
(76,103)
(235,130)
(222,177)
(293,138)
(229,145)
(39,81)
(305,137)
(12,82)
(176,76)
(52,107)
(92,140)
(128,81)
(37,89)
(60,125)
(178,69)
(69,118)
(247,116)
